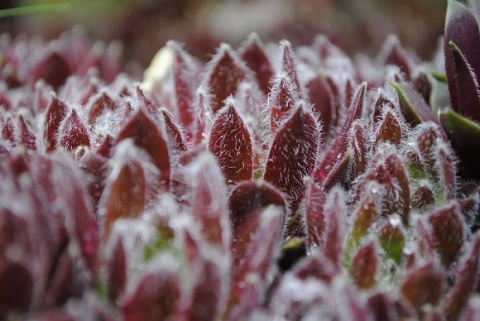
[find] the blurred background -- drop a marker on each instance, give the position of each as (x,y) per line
(145,25)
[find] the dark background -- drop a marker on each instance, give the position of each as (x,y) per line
(145,25)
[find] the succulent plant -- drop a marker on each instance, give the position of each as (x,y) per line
(271,183)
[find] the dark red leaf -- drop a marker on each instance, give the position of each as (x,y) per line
(256,58)
(389,130)
(146,135)
(382,308)
(54,69)
(315,198)
(8,130)
(292,155)
(102,103)
(73,133)
(203,117)
(422,286)
(359,149)
(465,281)
(448,232)
(462,63)
(225,75)
(397,56)
(394,165)
(105,147)
(413,106)
(422,85)
(332,245)
(116,271)
(154,298)
(446,171)
(323,101)
(314,266)
(174,134)
(381,104)
(61,284)
(25,136)
(364,268)
(231,144)
(124,194)
(16,288)
(288,65)
(54,115)
(281,101)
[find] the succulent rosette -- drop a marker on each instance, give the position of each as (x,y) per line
(270,183)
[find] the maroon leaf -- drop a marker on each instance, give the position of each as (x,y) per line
(413,106)
(382,308)
(465,281)
(389,130)
(292,155)
(124,194)
(8,130)
(102,103)
(116,271)
(359,148)
(54,69)
(105,147)
(203,117)
(334,229)
(231,144)
(323,101)
(16,288)
(422,85)
(61,284)
(174,134)
(446,171)
(54,115)
(315,198)
(288,65)
(394,165)
(225,75)
(364,268)
(314,266)
(255,57)
(462,63)
(25,136)
(154,298)
(381,104)
(448,232)
(73,133)
(422,286)
(146,135)
(281,102)
(398,57)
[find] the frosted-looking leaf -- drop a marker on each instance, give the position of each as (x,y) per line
(466,279)
(288,65)
(53,68)
(54,115)
(413,107)
(423,197)
(335,212)
(382,103)
(315,198)
(146,135)
(448,232)
(124,194)
(462,63)
(365,265)
(281,101)
(359,150)
(24,136)
(154,298)
(174,134)
(208,203)
(292,155)
(225,75)
(8,130)
(73,133)
(389,130)
(256,58)
(446,169)
(392,240)
(424,285)
(203,117)
(116,271)
(231,144)
(323,101)
(99,105)
(397,56)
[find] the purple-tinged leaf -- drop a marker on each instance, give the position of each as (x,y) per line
(359,150)
(316,267)
(464,135)
(382,308)
(389,130)
(392,240)
(62,283)
(146,135)
(394,165)
(54,115)
(105,147)
(339,173)
(182,74)
(335,212)
(426,139)
(466,279)
(256,58)
(397,56)
(446,171)
(434,315)
(116,271)
(422,286)
(203,117)
(73,133)
(231,144)
(174,134)
(288,65)
(315,198)
(292,155)
(448,232)
(323,101)
(24,136)
(281,101)
(101,103)
(424,239)
(16,288)
(422,85)
(225,75)
(53,68)
(340,144)
(124,194)
(462,63)
(365,266)
(154,298)
(381,104)
(414,108)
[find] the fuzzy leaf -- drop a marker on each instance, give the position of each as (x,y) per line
(231,144)
(364,268)
(465,281)
(54,69)
(203,117)
(174,134)
(359,149)
(146,135)
(225,75)
(398,57)
(25,136)
(413,106)
(315,198)
(73,133)
(102,103)
(293,155)
(462,63)
(323,101)
(116,271)
(392,240)
(314,266)
(255,57)
(389,130)
(281,102)
(448,232)
(288,65)
(332,245)
(54,115)
(8,130)
(424,285)
(154,298)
